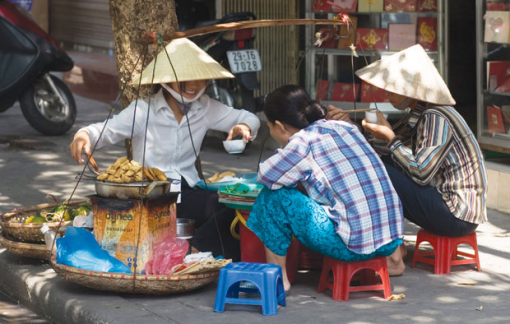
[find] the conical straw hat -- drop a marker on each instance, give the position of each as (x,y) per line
(409,73)
(189,61)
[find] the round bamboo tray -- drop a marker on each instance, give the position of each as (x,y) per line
(14,227)
(137,284)
(36,251)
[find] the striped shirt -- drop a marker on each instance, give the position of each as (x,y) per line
(341,171)
(434,146)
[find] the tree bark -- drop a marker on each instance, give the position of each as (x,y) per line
(130,20)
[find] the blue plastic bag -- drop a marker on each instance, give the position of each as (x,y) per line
(79,249)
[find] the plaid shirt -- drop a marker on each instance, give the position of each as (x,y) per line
(340,171)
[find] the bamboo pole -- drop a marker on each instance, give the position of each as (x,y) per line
(150,38)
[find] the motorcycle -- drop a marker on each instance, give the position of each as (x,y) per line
(235,51)
(27,56)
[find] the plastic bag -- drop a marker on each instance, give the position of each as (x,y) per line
(86,221)
(79,249)
(167,254)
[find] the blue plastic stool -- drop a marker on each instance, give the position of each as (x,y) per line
(266,277)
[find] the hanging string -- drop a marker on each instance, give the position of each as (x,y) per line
(80,176)
(146,49)
(142,188)
(187,106)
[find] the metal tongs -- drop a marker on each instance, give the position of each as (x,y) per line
(93,165)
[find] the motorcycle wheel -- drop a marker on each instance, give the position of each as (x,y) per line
(43,110)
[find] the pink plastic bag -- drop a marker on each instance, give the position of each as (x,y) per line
(167,254)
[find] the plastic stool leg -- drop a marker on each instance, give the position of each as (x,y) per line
(341,283)
(385,279)
(219,303)
(443,256)
(280,290)
(323,282)
(269,299)
(416,247)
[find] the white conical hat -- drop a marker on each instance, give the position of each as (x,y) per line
(189,61)
(409,73)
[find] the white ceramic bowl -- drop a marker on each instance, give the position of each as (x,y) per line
(234,146)
(371,116)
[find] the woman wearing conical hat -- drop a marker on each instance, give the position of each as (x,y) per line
(176,110)
(431,155)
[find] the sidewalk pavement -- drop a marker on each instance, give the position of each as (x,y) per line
(32,166)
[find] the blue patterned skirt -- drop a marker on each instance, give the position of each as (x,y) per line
(278,214)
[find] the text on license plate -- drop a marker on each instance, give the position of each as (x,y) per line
(244,61)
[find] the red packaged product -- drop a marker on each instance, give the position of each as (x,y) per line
(427,5)
(369,93)
(344,92)
(372,39)
(399,5)
(427,35)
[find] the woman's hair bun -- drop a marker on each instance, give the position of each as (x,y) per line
(315,111)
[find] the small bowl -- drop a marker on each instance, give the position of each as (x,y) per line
(371,116)
(234,146)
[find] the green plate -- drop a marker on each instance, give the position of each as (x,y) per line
(249,190)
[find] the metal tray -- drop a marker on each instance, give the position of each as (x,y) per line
(132,190)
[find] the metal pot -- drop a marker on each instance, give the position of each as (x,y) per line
(185,228)
(133,190)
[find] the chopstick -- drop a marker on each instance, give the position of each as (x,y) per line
(357,110)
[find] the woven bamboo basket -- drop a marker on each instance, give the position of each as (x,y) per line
(137,284)
(14,227)
(37,251)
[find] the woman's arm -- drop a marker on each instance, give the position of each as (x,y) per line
(287,167)
(434,139)
(223,118)
(118,127)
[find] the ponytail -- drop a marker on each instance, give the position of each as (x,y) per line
(292,105)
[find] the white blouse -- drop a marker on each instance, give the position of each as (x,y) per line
(168,145)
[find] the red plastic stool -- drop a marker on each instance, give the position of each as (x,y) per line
(252,248)
(445,251)
(343,273)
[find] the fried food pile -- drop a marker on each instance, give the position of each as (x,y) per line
(125,171)
(218,176)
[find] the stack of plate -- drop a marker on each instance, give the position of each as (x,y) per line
(239,195)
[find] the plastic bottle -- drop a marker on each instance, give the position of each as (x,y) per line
(49,237)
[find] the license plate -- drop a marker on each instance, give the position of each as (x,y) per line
(244,61)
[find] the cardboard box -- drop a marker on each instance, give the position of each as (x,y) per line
(401,36)
(344,43)
(370,5)
(129,229)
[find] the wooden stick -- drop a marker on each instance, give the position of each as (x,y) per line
(358,110)
(150,38)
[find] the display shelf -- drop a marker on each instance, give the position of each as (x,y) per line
(495,93)
(493,107)
(335,65)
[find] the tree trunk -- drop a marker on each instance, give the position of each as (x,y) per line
(130,20)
